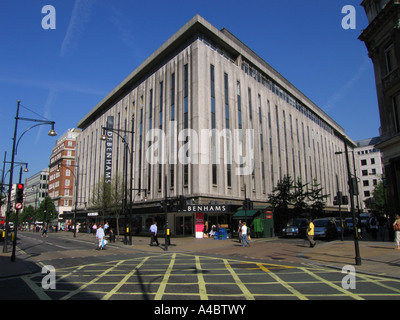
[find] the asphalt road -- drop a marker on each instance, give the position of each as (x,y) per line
(121,273)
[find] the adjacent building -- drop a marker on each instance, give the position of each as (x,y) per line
(206,121)
(370,169)
(382,39)
(36,188)
(62,171)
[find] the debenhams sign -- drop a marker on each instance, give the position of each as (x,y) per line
(207,208)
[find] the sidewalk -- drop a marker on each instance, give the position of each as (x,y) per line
(377,258)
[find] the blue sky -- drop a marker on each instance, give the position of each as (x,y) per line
(62,74)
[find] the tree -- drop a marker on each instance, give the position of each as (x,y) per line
(317,198)
(108,197)
(46,211)
(378,200)
(280,199)
(300,196)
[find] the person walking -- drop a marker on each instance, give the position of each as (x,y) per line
(244,234)
(153,230)
(240,231)
(373,225)
(396,228)
(310,234)
(382,226)
(100,236)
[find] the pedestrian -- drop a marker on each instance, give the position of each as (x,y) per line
(44,231)
(94,228)
(396,228)
(106,228)
(112,235)
(205,230)
(100,236)
(373,225)
(240,231)
(213,230)
(310,234)
(382,225)
(153,230)
(244,234)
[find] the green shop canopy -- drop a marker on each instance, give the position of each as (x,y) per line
(243,214)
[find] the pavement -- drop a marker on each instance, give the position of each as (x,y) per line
(377,257)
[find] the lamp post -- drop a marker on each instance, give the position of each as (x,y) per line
(51,133)
(124,173)
(351,190)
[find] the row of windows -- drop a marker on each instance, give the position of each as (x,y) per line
(284,95)
(318,142)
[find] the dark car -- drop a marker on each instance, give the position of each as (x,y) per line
(349,222)
(325,228)
(346,230)
(295,228)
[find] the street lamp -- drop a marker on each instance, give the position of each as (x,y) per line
(124,174)
(351,190)
(51,133)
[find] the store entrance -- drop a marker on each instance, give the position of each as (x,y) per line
(184,225)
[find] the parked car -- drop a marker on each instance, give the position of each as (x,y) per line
(365,218)
(346,230)
(295,228)
(325,228)
(350,225)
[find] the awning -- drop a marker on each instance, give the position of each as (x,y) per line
(243,214)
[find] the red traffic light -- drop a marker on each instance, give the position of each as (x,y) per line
(20,193)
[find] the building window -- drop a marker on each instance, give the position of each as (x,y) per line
(186,118)
(396,112)
(213,142)
(372,160)
(172,118)
(364,162)
(227,125)
(365,173)
(365,183)
(390,58)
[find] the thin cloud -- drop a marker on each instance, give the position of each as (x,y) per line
(341,93)
(80,17)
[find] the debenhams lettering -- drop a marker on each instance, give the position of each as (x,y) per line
(206,208)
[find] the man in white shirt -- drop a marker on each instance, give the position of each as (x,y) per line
(244,234)
(153,230)
(100,237)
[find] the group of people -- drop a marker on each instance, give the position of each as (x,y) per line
(101,234)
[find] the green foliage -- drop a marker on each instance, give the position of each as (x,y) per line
(378,200)
(297,196)
(46,211)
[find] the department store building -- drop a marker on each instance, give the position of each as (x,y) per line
(206,121)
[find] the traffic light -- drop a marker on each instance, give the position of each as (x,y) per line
(247,204)
(181,203)
(19,197)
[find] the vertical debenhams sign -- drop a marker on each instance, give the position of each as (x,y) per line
(109,147)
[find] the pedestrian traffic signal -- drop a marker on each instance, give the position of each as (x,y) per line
(20,193)
(19,196)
